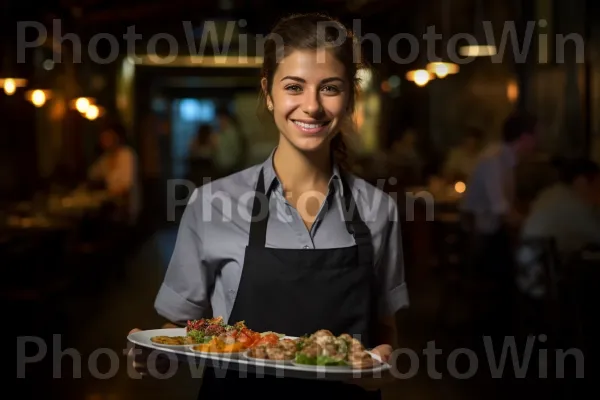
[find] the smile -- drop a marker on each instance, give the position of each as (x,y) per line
(313,127)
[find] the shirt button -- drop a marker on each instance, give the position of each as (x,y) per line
(306,247)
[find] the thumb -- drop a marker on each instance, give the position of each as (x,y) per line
(134,331)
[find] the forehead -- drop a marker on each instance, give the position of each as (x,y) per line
(310,65)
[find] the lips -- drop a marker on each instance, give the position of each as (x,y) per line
(311,127)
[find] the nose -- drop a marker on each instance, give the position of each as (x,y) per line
(311,104)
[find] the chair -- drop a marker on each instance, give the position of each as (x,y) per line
(537,278)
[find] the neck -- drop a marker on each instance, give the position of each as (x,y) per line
(296,169)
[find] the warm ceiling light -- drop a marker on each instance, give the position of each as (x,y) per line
(442,69)
(420,76)
(92,112)
(10,85)
(478,51)
(81,104)
(38,97)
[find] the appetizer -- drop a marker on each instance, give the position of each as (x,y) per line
(284,349)
(218,336)
(170,340)
(324,348)
(220,345)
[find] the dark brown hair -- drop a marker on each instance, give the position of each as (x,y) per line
(311,32)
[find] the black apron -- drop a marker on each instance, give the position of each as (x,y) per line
(297,292)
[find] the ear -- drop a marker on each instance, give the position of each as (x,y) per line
(264,87)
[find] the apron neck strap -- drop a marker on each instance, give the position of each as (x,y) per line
(259,219)
(354,223)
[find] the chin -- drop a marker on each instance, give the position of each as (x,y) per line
(309,145)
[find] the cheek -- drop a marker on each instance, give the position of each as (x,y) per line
(335,107)
(285,105)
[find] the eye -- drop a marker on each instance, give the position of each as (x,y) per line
(293,88)
(330,89)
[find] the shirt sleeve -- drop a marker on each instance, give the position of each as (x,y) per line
(184,293)
(389,268)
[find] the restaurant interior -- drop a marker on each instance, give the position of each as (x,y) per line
(83,267)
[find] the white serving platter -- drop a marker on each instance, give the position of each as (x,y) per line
(244,364)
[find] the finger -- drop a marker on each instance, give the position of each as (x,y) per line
(384,352)
(134,330)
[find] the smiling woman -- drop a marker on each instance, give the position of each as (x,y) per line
(325,252)
(310,72)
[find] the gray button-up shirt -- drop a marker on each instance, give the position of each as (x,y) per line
(206,266)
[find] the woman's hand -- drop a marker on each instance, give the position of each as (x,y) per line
(147,362)
(373,383)
(384,352)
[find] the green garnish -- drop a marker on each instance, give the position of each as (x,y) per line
(304,359)
(326,360)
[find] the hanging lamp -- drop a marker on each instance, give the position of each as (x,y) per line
(40,91)
(482,48)
(439,67)
(420,76)
(10,78)
(83,100)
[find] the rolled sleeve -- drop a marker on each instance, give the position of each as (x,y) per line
(390,268)
(184,293)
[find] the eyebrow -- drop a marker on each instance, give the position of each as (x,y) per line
(326,80)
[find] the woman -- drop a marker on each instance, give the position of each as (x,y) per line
(301,265)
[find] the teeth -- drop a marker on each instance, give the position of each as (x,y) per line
(309,126)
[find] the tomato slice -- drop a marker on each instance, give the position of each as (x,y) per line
(245,339)
(270,338)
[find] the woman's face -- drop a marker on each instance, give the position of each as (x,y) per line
(309,98)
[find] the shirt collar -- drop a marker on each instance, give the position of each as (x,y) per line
(271,181)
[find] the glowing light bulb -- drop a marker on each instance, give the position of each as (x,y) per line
(441,70)
(421,77)
(460,187)
(38,98)
(10,86)
(92,112)
(82,105)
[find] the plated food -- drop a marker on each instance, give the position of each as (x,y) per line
(280,350)
(215,336)
(170,340)
(323,348)
(339,357)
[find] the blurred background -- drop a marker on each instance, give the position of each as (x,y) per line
(85,238)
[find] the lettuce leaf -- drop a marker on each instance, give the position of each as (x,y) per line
(199,336)
(326,360)
(304,359)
